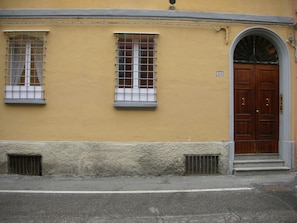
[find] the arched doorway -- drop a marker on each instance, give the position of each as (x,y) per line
(285,145)
(256,96)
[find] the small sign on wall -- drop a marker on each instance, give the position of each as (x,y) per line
(220,73)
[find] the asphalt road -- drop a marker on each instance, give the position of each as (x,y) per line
(261,202)
(271,204)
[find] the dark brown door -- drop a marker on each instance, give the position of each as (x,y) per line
(256,108)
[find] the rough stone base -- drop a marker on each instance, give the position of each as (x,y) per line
(113,159)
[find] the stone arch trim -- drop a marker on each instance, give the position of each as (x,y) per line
(285,145)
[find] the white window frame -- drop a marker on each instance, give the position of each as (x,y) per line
(28,64)
(136,96)
(26,93)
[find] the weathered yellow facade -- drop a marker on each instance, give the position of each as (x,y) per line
(194,100)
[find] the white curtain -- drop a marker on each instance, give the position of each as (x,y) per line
(17,63)
(38,63)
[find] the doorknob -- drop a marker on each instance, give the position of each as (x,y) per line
(257,110)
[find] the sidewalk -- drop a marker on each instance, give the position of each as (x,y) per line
(54,183)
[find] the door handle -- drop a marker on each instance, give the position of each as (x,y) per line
(281,104)
(267,102)
(257,110)
(243,101)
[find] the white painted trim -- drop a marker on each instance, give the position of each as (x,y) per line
(136,63)
(27,64)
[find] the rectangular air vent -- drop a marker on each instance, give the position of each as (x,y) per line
(24,164)
(205,164)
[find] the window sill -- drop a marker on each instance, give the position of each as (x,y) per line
(25,101)
(135,105)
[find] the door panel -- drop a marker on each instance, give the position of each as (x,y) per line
(267,102)
(245,119)
(256,113)
(244,103)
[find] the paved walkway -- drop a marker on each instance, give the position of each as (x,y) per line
(162,183)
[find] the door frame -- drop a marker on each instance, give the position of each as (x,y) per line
(286,146)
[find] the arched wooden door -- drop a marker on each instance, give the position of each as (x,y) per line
(256,96)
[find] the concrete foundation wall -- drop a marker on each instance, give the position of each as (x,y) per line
(113,159)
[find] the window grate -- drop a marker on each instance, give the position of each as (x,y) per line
(202,164)
(24,76)
(136,68)
(255,49)
(25,164)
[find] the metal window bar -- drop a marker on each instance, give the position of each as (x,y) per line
(25,164)
(24,65)
(202,164)
(136,67)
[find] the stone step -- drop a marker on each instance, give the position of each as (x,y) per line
(258,163)
(246,171)
(258,156)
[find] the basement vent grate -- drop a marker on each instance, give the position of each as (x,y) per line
(202,164)
(25,164)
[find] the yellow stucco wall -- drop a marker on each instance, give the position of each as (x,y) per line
(264,7)
(193,103)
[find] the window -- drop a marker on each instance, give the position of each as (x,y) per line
(24,76)
(136,70)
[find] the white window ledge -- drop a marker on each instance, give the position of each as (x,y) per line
(135,105)
(25,101)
